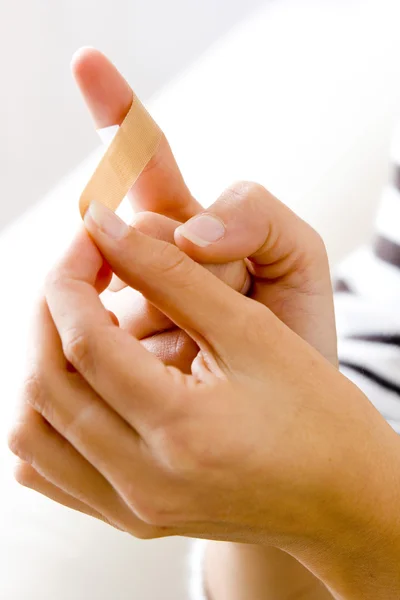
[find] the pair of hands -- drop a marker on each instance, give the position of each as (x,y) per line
(206,413)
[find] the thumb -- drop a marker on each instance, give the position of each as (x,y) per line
(247,221)
(216,317)
(286,256)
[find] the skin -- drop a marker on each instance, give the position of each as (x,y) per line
(156,463)
(183,449)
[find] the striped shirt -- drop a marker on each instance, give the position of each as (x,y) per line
(367,303)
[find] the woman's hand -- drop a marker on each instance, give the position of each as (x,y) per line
(254,446)
(294,283)
(162,194)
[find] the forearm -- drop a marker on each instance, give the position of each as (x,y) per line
(351,541)
(358,553)
(366,568)
(249,572)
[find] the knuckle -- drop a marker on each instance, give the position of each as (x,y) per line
(160,516)
(152,515)
(246,197)
(19,441)
(33,391)
(54,278)
(246,189)
(311,260)
(143,221)
(171,257)
(150,509)
(36,393)
(175,263)
(25,475)
(318,243)
(152,224)
(78,348)
(183,454)
(22,436)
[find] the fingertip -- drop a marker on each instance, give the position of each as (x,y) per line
(155,225)
(84,57)
(106,92)
(186,235)
(200,237)
(195,251)
(108,96)
(116,284)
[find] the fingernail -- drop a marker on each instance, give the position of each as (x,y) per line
(203,230)
(106,220)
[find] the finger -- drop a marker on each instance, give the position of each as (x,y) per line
(28,477)
(114,364)
(287,257)
(161,187)
(143,319)
(157,226)
(56,461)
(103,278)
(247,221)
(116,284)
(194,299)
(88,450)
(234,274)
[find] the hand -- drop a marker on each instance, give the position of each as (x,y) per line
(211,454)
(296,284)
(160,190)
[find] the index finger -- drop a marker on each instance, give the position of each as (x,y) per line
(161,187)
(129,378)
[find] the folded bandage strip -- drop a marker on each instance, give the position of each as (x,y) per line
(134,144)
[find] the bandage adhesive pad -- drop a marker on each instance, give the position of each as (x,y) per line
(133,145)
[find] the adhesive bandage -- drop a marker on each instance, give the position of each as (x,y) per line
(131,146)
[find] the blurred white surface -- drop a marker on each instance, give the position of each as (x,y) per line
(301,97)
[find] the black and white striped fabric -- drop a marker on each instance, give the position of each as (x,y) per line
(367,302)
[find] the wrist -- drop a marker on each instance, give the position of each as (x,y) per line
(356,551)
(238,571)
